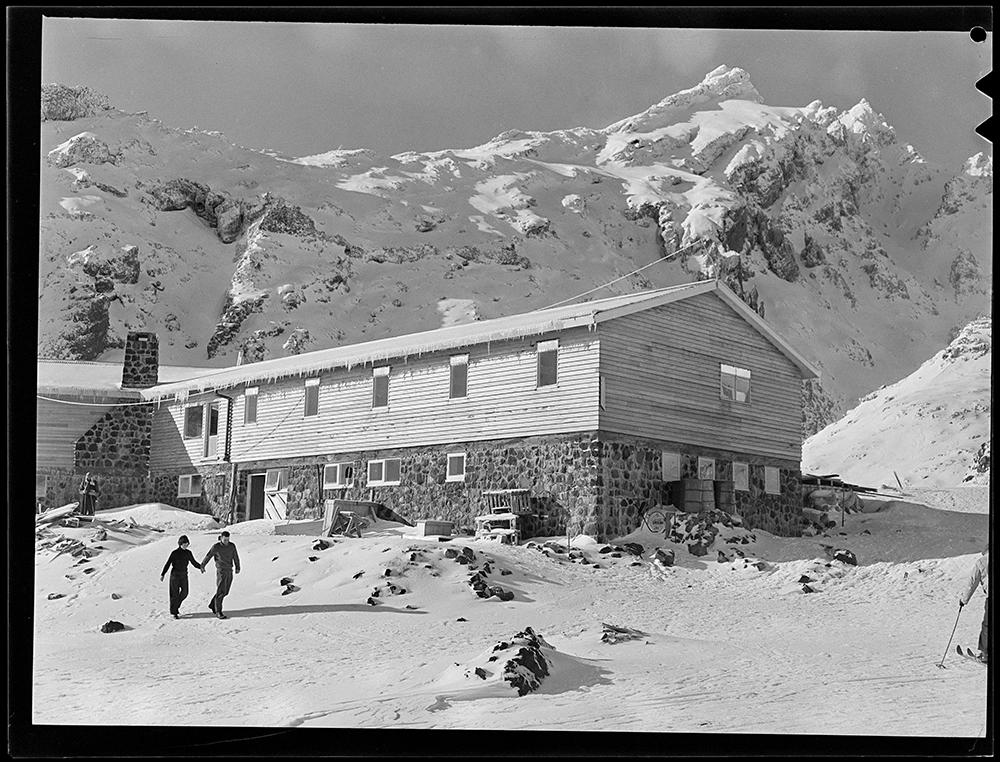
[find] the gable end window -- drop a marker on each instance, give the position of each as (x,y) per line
(456,467)
(734,383)
(189,485)
(548,363)
(459,376)
(338,475)
(250,405)
(383,472)
(772,481)
(312,397)
(380,387)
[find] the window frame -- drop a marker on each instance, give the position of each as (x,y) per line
(281,480)
(311,395)
(772,473)
(250,396)
(670,466)
(731,392)
(447,467)
(41,485)
(380,372)
(190,478)
(383,482)
(341,481)
(707,471)
(544,349)
(458,361)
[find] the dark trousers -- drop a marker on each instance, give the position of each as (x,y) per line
(178,592)
(984,634)
(223,581)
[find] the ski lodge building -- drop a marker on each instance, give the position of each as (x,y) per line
(598,410)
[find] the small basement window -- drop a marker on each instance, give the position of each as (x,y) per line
(734,383)
(456,467)
(548,363)
(459,376)
(276,480)
(772,480)
(250,405)
(741,476)
(312,397)
(706,469)
(41,485)
(189,485)
(338,475)
(383,472)
(380,387)
(194,417)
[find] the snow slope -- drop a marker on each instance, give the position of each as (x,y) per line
(727,647)
(927,427)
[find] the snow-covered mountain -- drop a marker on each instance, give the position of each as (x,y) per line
(932,428)
(865,256)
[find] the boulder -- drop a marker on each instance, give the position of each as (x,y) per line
(112,626)
(845,556)
(664,556)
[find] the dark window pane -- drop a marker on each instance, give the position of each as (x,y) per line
(459,377)
(213,421)
(312,400)
(250,411)
(381,395)
(375,471)
(547,363)
(193,421)
(392,470)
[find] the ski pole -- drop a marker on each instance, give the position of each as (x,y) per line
(941,665)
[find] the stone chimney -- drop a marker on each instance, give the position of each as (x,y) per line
(142,360)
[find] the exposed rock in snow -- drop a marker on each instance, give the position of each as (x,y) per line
(62,103)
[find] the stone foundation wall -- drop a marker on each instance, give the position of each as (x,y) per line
(118,443)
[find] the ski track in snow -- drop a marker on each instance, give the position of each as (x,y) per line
(728,649)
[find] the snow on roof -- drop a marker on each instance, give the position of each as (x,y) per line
(535,323)
(100,379)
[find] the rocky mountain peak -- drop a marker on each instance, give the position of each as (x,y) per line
(64,104)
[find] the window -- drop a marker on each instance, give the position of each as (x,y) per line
(194,417)
(741,476)
(456,467)
(734,384)
(41,485)
(276,480)
(548,362)
(706,469)
(671,466)
(383,471)
(250,405)
(380,387)
(189,485)
(459,376)
(338,475)
(772,482)
(312,397)
(212,432)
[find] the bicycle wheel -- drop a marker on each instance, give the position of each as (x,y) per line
(655,521)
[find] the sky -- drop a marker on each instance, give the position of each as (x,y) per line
(305,88)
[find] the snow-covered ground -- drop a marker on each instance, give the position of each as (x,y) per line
(731,646)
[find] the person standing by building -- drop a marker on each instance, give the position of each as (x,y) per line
(979,577)
(227,559)
(89,492)
(178,564)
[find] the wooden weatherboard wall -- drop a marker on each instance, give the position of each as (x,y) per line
(502,402)
(58,427)
(170,450)
(661,370)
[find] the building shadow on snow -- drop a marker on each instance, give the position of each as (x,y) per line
(319,608)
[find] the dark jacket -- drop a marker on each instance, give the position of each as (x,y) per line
(225,556)
(179,560)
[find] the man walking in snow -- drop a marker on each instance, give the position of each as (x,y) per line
(980,577)
(178,564)
(226,560)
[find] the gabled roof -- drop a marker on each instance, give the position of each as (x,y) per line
(535,323)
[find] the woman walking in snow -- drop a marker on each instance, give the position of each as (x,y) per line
(178,564)
(980,577)
(226,559)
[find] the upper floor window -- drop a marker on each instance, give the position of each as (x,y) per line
(338,475)
(734,383)
(312,397)
(459,376)
(456,467)
(548,362)
(381,472)
(194,417)
(380,386)
(250,405)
